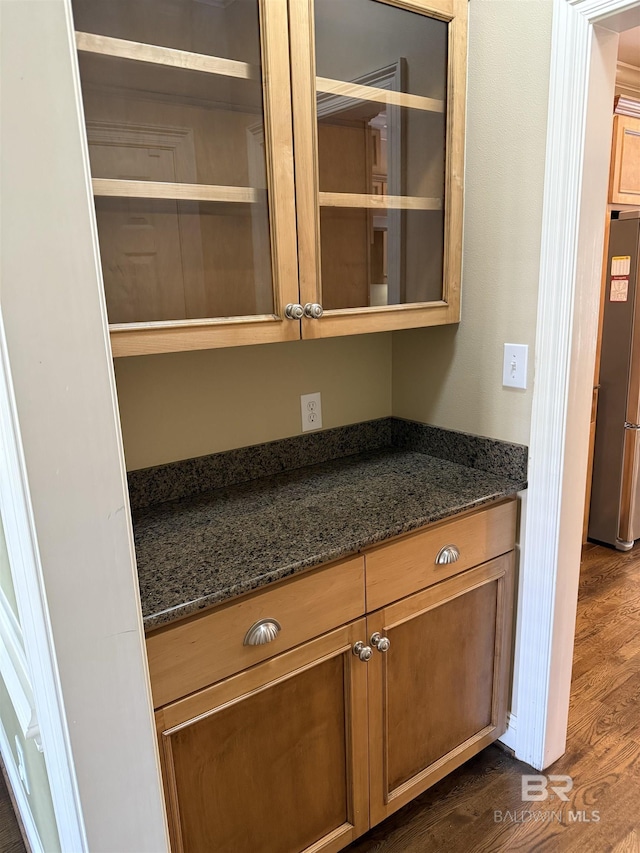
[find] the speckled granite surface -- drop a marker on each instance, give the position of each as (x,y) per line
(475,451)
(193,476)
(190,477)
(198,551)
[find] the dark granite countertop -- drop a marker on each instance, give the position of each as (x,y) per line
(200,550)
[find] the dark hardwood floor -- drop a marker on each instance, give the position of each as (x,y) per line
(603,749)
(603,752)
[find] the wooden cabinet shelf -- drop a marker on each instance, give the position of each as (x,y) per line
(157,55)
(369,200)
(359,92)
(110,187)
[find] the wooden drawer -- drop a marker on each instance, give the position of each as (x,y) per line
(408,564)
(198,652)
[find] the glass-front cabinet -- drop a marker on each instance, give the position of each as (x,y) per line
(265,171)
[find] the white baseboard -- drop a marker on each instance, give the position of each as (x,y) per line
(20,797)
(509,737)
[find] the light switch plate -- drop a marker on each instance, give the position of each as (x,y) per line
(514,368)
(311,409)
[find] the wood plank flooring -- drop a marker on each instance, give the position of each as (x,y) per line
(603,751)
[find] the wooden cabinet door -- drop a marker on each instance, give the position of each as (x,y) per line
(378,109)
(439,694)
(273,759)
(188,113)
(624,186)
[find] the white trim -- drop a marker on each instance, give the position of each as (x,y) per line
(549,575)
(15,509)
(21,799)
(628,78)
(508,739)
(15,672)
(569,68)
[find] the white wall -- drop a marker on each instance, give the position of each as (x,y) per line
(452,376)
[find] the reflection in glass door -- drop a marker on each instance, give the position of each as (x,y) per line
(379,187)
(381,80)
(181,142)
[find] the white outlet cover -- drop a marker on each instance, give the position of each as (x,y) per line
(514,366)
(311,411)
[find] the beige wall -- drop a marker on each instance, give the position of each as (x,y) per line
(39,799)
(189,404)
(451,376)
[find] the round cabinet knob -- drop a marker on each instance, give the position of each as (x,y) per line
(382,644)
(293,311)
(363,652)
(448,554)
(313,311)
(262,632)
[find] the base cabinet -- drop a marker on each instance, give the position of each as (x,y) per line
(274,759)
(439,694)
(306,750)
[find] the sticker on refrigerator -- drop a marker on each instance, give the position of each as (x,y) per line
(620,265)
(619,288)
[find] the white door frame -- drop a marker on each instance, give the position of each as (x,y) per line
(57,336)
(48,723)
(570,266)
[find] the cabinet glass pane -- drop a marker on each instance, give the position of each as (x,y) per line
(177,150)
(177,260)
(381,107)
(228,30)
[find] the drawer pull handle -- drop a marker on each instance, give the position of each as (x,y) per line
(262,632)
(361,651)
(382,644)
(446,555)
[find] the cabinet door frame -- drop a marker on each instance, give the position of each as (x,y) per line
(262,676)
(383,802)
(622,126)
(204,333)
(360,320)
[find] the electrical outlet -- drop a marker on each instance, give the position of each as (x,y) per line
(22,766)
(311,408)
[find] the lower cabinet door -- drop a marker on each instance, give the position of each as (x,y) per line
(439,693)
(273,759)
